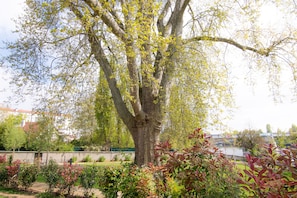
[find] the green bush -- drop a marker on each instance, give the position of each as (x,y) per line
(3,175)
(116,158)
(101,159)
(27,175)
(88,179)
(128,157)
(198,171)
(123,179)
(74,159)
(50,173)
(87,159)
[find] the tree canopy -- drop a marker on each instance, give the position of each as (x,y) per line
(12,134)
(145,49)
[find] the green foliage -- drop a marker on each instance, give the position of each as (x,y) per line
(88,179)
(127,157)
(124,179)
(51,174)
(27,175)
(101,159)
(272,175)
(74,159)
(13,136)
(88,158)
(116,158)
(199,171)
(250,140)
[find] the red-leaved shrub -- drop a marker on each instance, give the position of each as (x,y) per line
(274,174)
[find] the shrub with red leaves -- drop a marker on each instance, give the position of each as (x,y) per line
(274,174)
(201,170)
(69,175)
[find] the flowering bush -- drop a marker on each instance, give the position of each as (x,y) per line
(271,175)
(69,175)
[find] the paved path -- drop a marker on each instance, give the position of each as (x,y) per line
(39,187)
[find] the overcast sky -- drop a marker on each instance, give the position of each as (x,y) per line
(255,104)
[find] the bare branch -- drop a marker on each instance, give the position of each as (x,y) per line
(261,51)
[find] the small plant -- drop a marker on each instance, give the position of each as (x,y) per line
(87,159)
(116,158)
(127,157)
(88,179)
(27,176)
(101,159)
(74,159)
(50,173)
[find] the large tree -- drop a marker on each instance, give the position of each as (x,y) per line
(142,47)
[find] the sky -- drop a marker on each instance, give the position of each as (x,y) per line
(255,105)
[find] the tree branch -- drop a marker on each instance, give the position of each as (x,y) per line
(107,18)
(262,51)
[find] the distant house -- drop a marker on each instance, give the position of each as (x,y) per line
(62,122)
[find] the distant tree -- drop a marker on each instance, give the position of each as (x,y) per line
(250,140)
(111,130)
(13,136)
(268,128)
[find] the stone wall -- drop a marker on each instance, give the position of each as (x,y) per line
(61,157)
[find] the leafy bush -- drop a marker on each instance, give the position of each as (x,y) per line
(27,175)
(3,159)
(272,175)
(12,172)
(87,159)
(88,179)
(116,158)
(3,174)
(127,157)
(74,159)
(125,180)
(69,175)
(101,159)
(198,171)
(50,173)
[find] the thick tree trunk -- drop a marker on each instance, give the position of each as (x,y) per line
(146,136)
